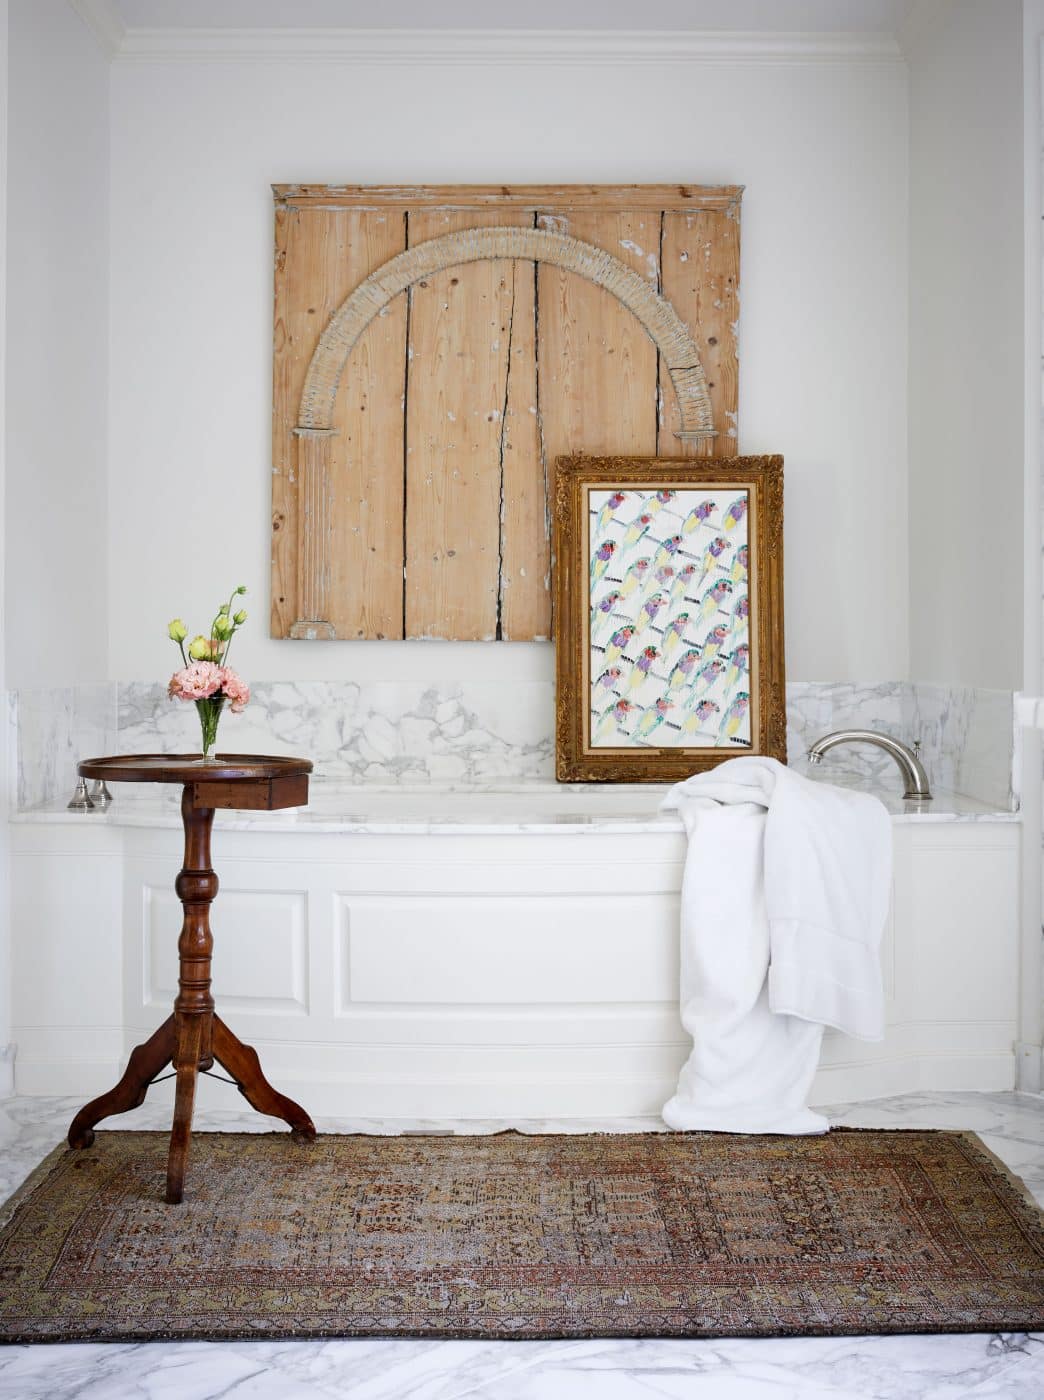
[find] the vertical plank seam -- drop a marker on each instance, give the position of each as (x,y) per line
(406,428)
(659,355)
(503,434)
(540,431)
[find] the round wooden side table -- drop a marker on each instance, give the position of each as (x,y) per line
(193,1037)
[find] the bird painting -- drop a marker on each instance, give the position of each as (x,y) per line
(614,717)
(734,717)
(698,517)
(673,633)
(635,575)
(680,674)
(712,600)
(714,641)
(738,663)
(612,505)
(640,669)
(648,612)
(740,564)
(636,529)
(682,580)
(606,682)
(711,555)
(663,577)
(735,513)
(698,716)
(740,613)
(600,562)
(650,720)
(602,611)
(657,503)
(705,677)
(666,551)
(620,638)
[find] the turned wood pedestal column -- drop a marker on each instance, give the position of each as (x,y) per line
(193,1037)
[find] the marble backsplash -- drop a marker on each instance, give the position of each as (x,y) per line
(469,734)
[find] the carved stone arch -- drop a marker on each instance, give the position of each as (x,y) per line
(315,428)
(661,322)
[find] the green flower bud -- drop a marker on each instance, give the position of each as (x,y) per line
(176,630)
(223,609)
(222,626)
(240,618)
(241,588)
(202,648)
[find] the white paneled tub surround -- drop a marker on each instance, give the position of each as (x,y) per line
(427,955)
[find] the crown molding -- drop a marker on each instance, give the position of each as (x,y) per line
(102,19)
(468,46)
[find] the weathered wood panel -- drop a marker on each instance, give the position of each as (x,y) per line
(321,255)
(460,334)
(438,465)
(530,197)
(700,278)
(596,365)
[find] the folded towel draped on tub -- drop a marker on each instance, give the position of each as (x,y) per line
(784,900)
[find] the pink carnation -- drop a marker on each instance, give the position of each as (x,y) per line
(198,681)
(235,688)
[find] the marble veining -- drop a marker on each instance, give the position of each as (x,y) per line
(995,1366)
(474,736)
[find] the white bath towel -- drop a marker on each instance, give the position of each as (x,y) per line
(784,900)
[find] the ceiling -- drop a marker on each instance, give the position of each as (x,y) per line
(775,16)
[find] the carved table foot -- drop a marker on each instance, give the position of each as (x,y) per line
(144,1064)
(245,1068)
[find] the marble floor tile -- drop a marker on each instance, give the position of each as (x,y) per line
(973,1367)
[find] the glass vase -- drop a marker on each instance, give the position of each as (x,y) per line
(209,712)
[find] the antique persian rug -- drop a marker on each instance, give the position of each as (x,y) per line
(600,1235)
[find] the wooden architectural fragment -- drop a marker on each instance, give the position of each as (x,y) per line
(436,348)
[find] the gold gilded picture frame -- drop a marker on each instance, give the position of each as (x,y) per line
(668,593)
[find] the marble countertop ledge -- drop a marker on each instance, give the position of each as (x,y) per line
(530,807)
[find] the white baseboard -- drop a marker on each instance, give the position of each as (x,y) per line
(7,1069)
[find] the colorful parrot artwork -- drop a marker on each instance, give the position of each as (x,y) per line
(734,717)
(648,612)
(682,580)
(740,564)
(706,677)
(666,551)
(699,715)
(649,720)
(715,641)
(617,642)
(640,669)
(635,575)
(663,577)
(735,513)
(607,680)
(612,505)
(659,501)
(712,600)
(740,613)
(738,663)
(600,562)
(615,717)
(711,555)
(674,632)
(680,674)
(603,610)
(699,516)
(636,529)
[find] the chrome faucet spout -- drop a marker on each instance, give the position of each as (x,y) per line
(915,779)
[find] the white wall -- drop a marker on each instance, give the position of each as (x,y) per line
(57,540)
(966,344)
(6,1045)
(196,143)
